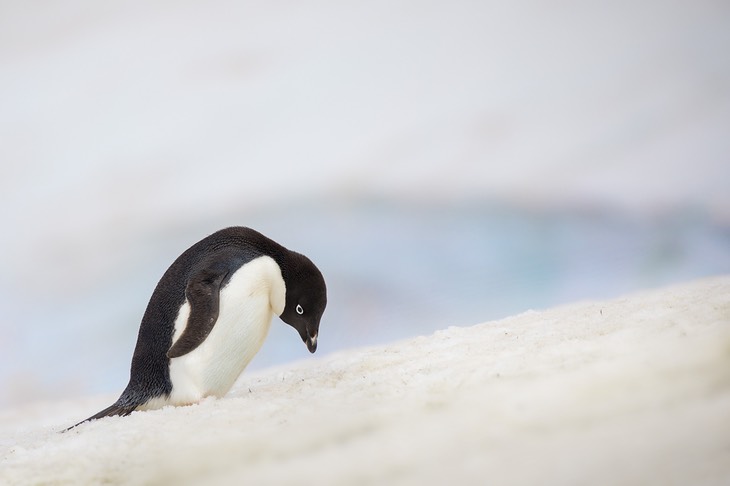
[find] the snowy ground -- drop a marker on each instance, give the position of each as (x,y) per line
(630,391)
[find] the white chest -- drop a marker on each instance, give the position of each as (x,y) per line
(253,295)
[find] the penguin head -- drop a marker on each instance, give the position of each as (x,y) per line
(306,298)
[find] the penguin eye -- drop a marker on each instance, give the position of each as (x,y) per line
(300,311)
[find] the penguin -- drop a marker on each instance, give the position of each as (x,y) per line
(209,315)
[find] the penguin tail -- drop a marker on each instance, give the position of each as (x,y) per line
(111,411)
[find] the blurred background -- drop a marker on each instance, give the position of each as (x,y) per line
(443,163)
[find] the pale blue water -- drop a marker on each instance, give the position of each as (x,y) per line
(393,271)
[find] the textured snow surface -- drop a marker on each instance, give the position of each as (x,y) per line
(629,391)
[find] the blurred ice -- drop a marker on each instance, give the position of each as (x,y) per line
(443,162)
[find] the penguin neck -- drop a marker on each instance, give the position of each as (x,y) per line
(286,260)
(277,293)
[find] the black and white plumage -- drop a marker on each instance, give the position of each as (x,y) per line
(210,313)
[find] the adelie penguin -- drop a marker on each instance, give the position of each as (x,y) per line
(209,316)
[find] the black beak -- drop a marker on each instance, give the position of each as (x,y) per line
(311,343)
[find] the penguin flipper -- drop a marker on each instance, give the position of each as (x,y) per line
(203,295)
(111,411)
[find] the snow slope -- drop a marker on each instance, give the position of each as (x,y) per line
(630,391)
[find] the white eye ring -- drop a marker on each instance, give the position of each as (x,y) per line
(300,311)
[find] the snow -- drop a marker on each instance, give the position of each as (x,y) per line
(634,390)
(128,130)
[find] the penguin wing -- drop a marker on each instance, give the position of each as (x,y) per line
(203,296)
